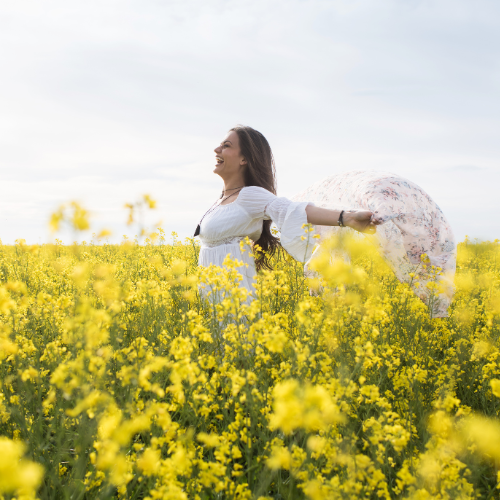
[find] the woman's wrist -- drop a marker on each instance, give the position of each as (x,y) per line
(347,219)
(340,220)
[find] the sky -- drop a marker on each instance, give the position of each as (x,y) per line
(103,101)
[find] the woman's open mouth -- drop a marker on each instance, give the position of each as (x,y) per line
(220,161)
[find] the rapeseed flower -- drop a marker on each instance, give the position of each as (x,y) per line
(126,370)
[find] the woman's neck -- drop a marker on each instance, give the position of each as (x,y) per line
(233,185)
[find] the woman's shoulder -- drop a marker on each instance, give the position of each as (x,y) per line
(256,193)
(254,199)
(257,190)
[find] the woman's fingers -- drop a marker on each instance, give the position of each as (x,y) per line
(365,221)
(370,229)
(371,223)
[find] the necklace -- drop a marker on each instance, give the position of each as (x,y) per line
(213,207)
(232,189)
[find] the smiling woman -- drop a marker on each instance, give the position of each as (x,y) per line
(248,204)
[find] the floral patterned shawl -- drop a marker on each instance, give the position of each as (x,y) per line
(413,225)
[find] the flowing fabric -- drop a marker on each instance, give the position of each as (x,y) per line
(413,225)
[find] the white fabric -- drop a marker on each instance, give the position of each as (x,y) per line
(413,225)
(222,230)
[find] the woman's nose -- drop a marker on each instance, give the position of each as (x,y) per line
(218,149)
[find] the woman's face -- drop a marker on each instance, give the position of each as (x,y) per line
(229,161)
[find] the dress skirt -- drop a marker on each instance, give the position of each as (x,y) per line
(217,255)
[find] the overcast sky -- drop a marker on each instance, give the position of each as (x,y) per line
(102,101)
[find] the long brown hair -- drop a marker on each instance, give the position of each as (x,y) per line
(260,171)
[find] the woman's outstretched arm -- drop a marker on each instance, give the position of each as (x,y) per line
(360,220)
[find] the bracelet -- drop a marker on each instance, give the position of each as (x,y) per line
(341,219)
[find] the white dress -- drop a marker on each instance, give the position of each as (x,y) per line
(222,230)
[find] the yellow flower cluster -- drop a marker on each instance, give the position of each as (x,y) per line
(118,380)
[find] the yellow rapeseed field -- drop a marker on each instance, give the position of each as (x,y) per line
(119,381)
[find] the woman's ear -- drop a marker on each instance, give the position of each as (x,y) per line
(243,162)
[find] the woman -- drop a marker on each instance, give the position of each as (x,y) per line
(249,203)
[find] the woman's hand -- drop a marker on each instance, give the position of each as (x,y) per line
(362,220)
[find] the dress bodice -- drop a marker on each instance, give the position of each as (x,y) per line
(244,217)
(223,228)
(227,224)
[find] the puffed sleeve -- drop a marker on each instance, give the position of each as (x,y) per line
(254,200)
(289,217)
